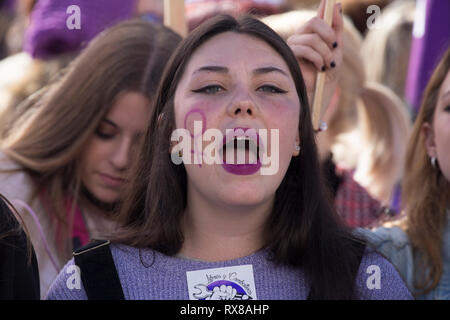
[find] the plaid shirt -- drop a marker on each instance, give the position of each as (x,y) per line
(352,201)
(354,204)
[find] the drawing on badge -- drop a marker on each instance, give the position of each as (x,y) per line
(221,290)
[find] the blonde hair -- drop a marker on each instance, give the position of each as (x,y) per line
(426,192)
(30,76)
(370,126)
(386,49)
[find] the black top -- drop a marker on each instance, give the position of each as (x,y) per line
(19,275)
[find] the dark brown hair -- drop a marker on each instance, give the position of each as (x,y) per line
(302,230)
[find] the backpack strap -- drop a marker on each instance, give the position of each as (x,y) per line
(360,248)
(98,271)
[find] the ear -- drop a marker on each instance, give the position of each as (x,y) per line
(427,131)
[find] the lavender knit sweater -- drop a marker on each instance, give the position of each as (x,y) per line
(151,275)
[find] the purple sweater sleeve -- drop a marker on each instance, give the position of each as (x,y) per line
(379,280)
(68,284)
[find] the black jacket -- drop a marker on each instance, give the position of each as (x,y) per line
(19,276)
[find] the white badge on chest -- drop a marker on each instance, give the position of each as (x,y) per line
(228,283)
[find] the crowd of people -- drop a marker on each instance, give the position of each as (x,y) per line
(93,205)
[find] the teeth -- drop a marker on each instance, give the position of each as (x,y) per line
(241,145)
(252,158)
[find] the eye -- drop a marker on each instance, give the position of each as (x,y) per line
(271,89)
(447,108)
(104,135)
(211,89)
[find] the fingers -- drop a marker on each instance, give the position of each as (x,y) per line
(338,22)
(318,43)
(231,292)
(317,26)
(321,9)
(312,48)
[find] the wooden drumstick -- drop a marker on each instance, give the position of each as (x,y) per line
(174,16)
(321,76)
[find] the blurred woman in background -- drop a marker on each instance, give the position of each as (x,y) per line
(64,161)
(418,244)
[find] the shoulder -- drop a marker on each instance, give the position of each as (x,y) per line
(393,244)
(68,284)
(99,262)
(14,182)
(378,279)
(6,163)
(390,242)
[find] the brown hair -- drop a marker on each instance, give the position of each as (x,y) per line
(302,231)
(48,141)
(426,192)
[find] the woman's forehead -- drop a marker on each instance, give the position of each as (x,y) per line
(231,48)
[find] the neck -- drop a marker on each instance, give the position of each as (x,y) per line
(95,205)
(218,233)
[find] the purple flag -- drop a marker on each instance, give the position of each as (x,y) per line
(431,37)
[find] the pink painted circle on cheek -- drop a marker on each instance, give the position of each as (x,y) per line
(192,116)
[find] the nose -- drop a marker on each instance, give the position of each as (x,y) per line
(242,106)
(121,155)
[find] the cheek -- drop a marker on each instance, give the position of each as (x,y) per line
(198,118)
(285,118)
(94,155)
(192,117)
(442,140)
(282,110)
(185,116)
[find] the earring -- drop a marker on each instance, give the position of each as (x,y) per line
(180,153)
(323,126)
(297,150)
(434,162)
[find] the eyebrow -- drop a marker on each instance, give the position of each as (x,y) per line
(265,70)
(258,71)
(446,94)
(218,69)
(110,123)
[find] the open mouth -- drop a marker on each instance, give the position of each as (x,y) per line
(240,152)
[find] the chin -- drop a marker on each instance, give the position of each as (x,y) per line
(244,197)
(106,196)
